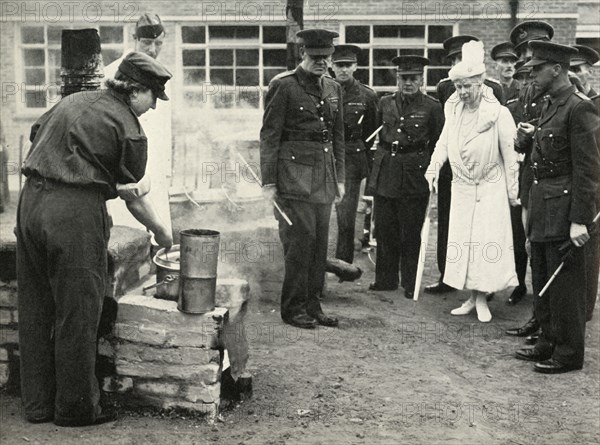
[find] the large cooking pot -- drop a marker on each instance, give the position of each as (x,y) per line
(167,274)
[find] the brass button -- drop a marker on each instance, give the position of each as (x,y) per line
(401,118)
(399,130)
(358,149)
(321,118)
(566,191)
(533,104)
(325,150)
(301,108)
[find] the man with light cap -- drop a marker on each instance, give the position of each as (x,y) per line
(360,120)
(149,37)
(412,123)
(505,57)
(302,164)
(564,161)
(87,149)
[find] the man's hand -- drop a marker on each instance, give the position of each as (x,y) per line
(341,193)
(514,202)
(431,176)
(579,234)
(269,192)
(524,133)
(163,237)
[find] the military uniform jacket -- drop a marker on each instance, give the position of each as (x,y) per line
(302,137)
(445,88)
(411,127)
(512,91)
(360,105)
(565,162)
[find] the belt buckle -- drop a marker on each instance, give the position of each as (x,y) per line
(394,149)
(325,136)
(534,169)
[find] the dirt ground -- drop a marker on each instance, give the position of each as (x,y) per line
(386,375)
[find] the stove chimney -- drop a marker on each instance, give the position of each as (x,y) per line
(82,68)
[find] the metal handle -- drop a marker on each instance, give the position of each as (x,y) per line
(168,279)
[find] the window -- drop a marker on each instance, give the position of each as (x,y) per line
(41,60)
(381,43)
(230,66)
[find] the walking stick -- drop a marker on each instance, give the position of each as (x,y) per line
(561,265)
(422,253)
(281,212)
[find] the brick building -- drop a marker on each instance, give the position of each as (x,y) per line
(223,53)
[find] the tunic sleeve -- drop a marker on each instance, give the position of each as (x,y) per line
(132,164)
(506,136)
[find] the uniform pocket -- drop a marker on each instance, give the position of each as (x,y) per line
(557,201)
(554,144)
(295,172)
(414,179)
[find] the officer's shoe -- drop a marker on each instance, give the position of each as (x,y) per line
(552,366)
(532,339)
(517,295)
(324,320)
(531,355)
(380,287)
(302,321)
(439,288)
(409,294)
(531,327)
(107,415)
(43,419)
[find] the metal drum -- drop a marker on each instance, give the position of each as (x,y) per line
(198,258)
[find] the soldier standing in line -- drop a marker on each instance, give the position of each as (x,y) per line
(360,120)
(412,123)
(527,109)
(445,88)
(505,57)
(562,204)
(302,165)
(582,65)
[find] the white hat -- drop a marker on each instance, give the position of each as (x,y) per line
(471,63)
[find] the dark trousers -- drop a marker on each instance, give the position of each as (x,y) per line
(561,310)
(398,223)
(444,196)
(592,263)
(346,219)
(519,243)
(62,236)
(305,254)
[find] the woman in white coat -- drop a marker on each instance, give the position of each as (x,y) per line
(478,139)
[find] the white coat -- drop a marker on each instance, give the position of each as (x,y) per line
(485,175)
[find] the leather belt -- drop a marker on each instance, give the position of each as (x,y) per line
(551,170)
(314,136)
(395,148)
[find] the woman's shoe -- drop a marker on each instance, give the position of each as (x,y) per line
(483,312)
(466,308)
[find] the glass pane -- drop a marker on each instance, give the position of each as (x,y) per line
(221,57)
(55,34)
(412,32)
(249,98)
(32,34)
(385,32)
(437,57)
(35,99)
(232,32)
(274,34)
(434,76)
(111,34)
(383,57)
(35,76)
(362,75)
(246,77)
(54,58)
(437,34)
(194,99)
(357,34)
(110,55)
(384,77)
(193,76)
(34,57)
(412,52)
(246,32)
(274,57)
(193,34)
(268,74)
(363,57)
(221,77)
(246,57)
(55,76)
(193,57)
(224,100)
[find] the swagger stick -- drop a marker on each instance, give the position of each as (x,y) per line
(374,133)
(281,212)
(422,253)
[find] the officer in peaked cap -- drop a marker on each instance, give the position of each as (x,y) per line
(445,88)
(565,163)
(302,164)
(505,56)
(360,120)
(528,31)
(412,123)
(582,65)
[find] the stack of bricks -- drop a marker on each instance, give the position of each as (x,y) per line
(9,335)
(165,358)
